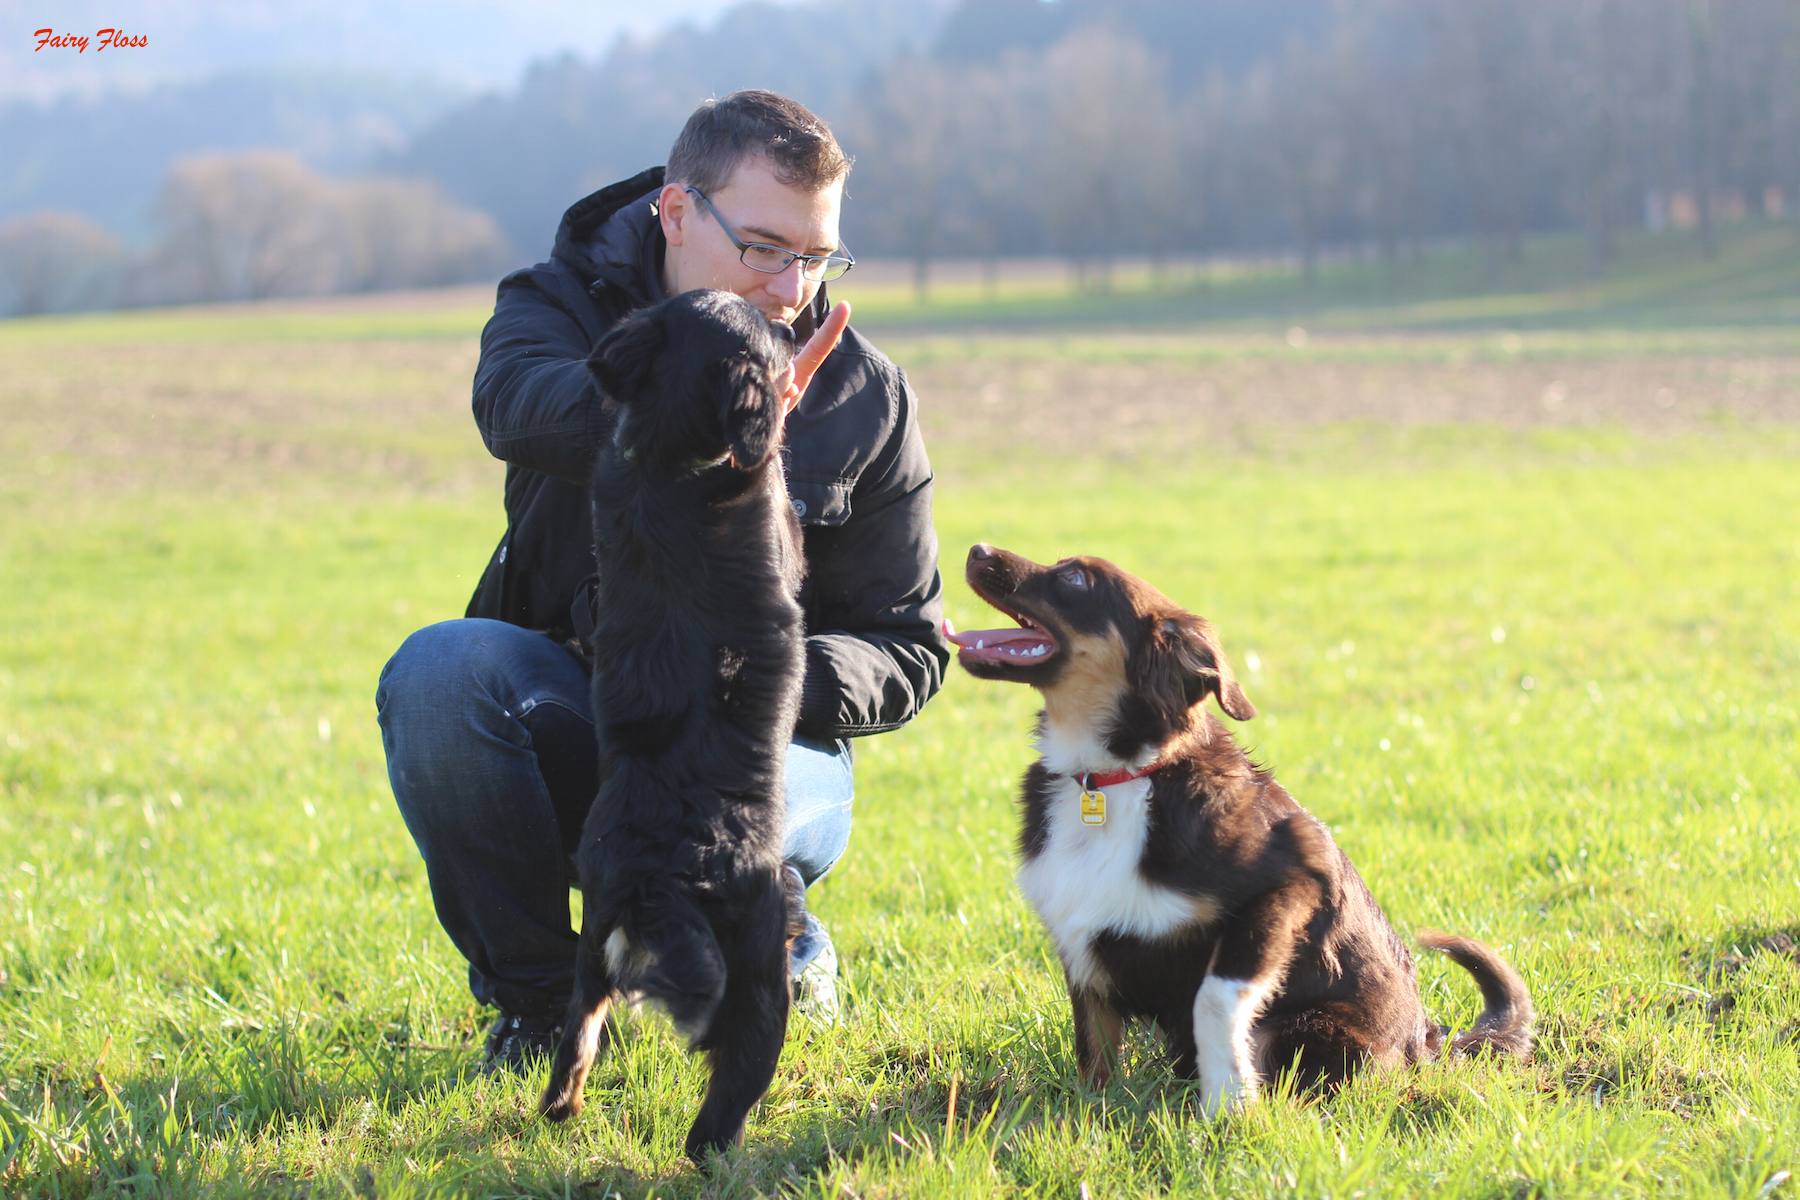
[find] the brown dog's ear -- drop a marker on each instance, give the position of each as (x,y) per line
(622,360)
(753,412)
(1184,664)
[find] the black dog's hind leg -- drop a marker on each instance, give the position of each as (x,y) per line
(744,1043)
(586,1030)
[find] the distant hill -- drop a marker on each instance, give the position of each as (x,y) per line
(1093,129)
(575,125)
(106,157)
(475,44)
(572,123)
(1192,36)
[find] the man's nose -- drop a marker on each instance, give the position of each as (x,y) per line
(788,286)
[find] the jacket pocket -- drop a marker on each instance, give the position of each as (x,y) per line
(819,501)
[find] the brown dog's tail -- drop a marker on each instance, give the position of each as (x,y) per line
(1504,1026)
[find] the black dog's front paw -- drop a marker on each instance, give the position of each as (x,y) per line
(703,1147)
(559,1103)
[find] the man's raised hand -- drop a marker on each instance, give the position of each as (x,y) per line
(817,349)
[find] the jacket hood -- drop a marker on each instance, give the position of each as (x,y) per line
(614,237)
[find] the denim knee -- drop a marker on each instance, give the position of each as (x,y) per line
(462,707)
(455,700)
(821,794)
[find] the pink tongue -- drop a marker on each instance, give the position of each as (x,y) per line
(1004,645)
(995,637)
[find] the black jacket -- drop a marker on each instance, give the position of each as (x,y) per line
(856,469)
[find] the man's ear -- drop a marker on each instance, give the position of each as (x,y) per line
(623,360)
(753,412)
(672,211)
(1182,664)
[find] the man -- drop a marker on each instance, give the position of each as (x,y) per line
(487,721)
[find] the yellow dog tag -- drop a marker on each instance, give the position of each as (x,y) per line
(1093,808)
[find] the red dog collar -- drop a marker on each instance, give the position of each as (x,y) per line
(1091,781)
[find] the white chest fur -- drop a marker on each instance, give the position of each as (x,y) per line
(1086,880)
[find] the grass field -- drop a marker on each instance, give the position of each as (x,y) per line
(1519,604)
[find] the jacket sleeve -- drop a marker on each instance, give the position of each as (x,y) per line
(877,652)
(535,403)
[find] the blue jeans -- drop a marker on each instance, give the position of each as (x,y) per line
(489,732)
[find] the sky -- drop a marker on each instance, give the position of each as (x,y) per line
(481,45)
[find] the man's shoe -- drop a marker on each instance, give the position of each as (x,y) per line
(813,967)
(516,1044)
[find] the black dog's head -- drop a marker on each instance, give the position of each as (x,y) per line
(700,377)
(1100,642)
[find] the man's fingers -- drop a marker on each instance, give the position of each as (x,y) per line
(820,345)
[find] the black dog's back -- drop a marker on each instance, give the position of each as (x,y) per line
(697,665)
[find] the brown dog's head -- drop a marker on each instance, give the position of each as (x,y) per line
(700,377)
(1101,645)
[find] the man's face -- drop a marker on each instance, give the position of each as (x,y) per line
(759,208)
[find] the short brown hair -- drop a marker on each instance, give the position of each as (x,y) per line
(721,134)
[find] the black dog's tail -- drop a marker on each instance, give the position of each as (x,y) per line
(647,938)
(666,949)
(1504,1026)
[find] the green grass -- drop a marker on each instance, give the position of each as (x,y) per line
(1659,287)
(268,321)
(1208,346)
(221,973)
(1657,281)
(1540,682)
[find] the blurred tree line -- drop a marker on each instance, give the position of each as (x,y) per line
(251,225)
(1094,129)
(1087,129)
(486,178)
(575,125)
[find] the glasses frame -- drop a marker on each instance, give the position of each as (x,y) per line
(843,256)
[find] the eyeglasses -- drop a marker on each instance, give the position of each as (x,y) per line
(773,260)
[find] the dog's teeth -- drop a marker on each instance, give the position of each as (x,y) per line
(980,645)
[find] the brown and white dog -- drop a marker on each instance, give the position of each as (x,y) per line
(1180,882)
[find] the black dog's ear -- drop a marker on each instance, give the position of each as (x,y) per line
(622,360)
(1181,664)
(753,412)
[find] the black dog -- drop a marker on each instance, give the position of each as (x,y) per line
(697,666)
(1181,883)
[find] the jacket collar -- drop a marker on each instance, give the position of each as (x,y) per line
(613,237)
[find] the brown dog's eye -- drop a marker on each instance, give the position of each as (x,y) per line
(1074,577)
